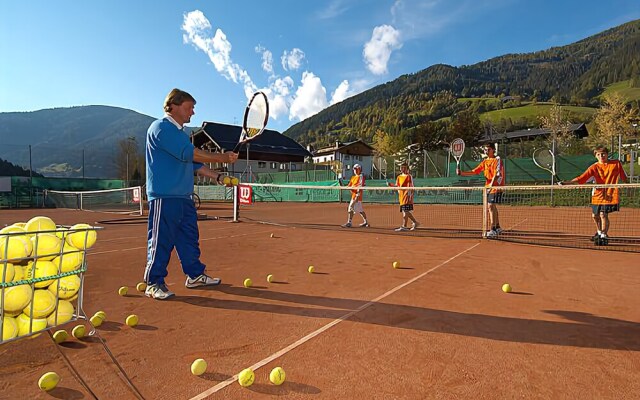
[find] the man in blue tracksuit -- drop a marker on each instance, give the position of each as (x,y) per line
(173,221)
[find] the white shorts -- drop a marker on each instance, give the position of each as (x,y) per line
(355,206)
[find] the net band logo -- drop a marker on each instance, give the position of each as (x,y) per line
(136,195)
(245,194)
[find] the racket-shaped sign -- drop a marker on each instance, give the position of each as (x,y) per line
(255,119)
(545,159)
(457,149)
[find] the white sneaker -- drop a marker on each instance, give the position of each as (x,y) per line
(401,229)
(158,291)
(415,226)
(499,230)
(202,280)
(364,225)
(347,225)
(492,233)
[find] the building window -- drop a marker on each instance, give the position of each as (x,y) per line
(274,165)
(262,164)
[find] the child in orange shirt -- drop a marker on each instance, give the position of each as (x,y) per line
(355,205)
(406,198)
(603,201)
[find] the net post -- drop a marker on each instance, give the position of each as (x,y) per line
(236,208)
(485,211)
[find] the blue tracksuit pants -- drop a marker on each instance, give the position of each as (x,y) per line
(173,223)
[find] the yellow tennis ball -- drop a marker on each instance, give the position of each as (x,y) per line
(26,324)
(12,229)
(63,313)
(39,224)
(235,181)
(277,376)
(101,314)
(83,238)
(132,320)
(9,328)
(272,235)
(70,259)
(123,291)
(7,272)
(20,224)
(226,180)
(141,287)
(43,304)
(61,232)
(66,287)
(16,298)
(311,269)
(18,273)
(506,288)
(396,265)
(269,278)
(48,381)
(96,320)
(198,367)
(248,282)
(78,331)
(246,377)
(60,336)
(41,269)
(15,248)
(46,246)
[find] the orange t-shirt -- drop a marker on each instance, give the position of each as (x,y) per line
(605,173)
(491,167)
(405,196)
(355,181)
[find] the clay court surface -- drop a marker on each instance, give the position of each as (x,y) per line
(439,327)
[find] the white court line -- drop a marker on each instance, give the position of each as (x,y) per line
(317,332)
(202,240)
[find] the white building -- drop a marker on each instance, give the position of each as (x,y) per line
(343,156)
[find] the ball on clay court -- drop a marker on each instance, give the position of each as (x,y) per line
(235,181)
(198,367)
(123,291)
(506,288)
(132,320)
(269,278)
(248,282)
(60,336)
(396,264)
(277,376)
(141,287)
(272,235)
(48,381)
(246,377)
(311,269)
(78,332)
(101,314)
(96,320)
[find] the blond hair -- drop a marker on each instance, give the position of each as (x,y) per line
(177,97)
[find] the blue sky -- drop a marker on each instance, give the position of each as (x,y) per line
(306,54)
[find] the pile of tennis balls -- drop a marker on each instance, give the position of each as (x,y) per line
(30,253)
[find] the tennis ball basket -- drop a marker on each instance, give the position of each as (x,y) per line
(42,267)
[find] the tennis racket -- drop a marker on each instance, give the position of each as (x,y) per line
(545,159)
(255,119)
(457,149)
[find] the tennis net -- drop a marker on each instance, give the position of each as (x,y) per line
(543,215)
(121,201)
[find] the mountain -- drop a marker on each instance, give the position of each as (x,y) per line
(573,74)
(62,139)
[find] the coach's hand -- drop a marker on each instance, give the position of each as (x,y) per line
(230,156)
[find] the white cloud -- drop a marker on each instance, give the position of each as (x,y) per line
(291,61)
(267,59)
(301,102)
(310,98)
(377,51)
(333,10)
(341,92)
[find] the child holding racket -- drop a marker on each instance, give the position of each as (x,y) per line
(494,175)
(355,205)
(603,201)
(173,221)
(406,198)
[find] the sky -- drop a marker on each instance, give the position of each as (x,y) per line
(304,54)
